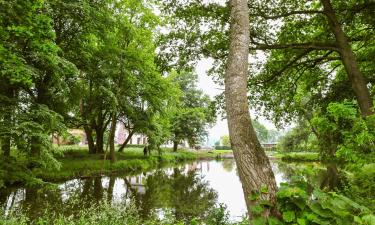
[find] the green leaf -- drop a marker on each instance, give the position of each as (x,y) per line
(256,209)
(301,221)
(258,221)
(264,189)
(289,216)
(273,221)
(369,219)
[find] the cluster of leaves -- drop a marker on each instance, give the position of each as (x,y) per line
(342,127)
(299,207)
(299,138)
(32,72)
(194,112)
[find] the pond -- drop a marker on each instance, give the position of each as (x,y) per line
(188,190)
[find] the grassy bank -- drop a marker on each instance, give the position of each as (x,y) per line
(297,156)
(76,162)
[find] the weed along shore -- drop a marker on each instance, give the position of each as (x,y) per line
(77,163)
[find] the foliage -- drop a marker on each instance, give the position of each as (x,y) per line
(299,138)
(224,140)
(191,118)
(361,184)
(34,81)
(348,134)
(299,207)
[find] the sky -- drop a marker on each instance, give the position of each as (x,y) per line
(207,85)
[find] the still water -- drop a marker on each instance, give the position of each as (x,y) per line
(189,190)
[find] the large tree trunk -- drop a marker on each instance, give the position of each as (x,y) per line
(99,139)
(350,62)
(90,139)
(254,168)
(88,127)
(112,132)
(121,149)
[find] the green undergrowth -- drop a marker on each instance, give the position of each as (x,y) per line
(76,162)
(106,213)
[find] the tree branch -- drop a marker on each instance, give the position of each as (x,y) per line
(304,12)
(307,45)
(288,65)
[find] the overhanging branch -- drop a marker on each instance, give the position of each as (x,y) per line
(306,45)
(298,12)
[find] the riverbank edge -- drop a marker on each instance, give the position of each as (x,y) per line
(296,156)
(83,165)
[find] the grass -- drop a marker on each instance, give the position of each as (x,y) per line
(76,162)
(298,156)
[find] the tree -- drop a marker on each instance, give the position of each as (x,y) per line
(253,165)
(34,81)
(329,36)
(112,45)
(260,130)
(193,114)
(224,140)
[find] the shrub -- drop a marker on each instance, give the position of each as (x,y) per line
(299,207)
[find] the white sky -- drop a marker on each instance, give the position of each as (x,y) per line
(208,86)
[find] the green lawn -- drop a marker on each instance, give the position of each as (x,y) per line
(76,162)
(298,156)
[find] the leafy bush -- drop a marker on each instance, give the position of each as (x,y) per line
(362,184)
(298,139)
(299,207)
(345,134)
(105,213)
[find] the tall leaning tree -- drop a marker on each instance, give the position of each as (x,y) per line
(254,168)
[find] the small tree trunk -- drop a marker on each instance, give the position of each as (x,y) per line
(254,168)
(121,149)
(349,60)
(175,146)
(112,138)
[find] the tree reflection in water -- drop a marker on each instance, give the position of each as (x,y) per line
(180,191)
(183,192)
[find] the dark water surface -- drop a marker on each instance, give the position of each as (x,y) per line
(189,190)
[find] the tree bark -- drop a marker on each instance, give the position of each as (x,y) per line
(99,139)
(112,138)
(349,60)
(175,146)
(90,139)
(254,168)
(121,149)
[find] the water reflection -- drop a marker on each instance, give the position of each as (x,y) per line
(187,191)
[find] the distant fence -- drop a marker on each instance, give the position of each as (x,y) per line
(269,146)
